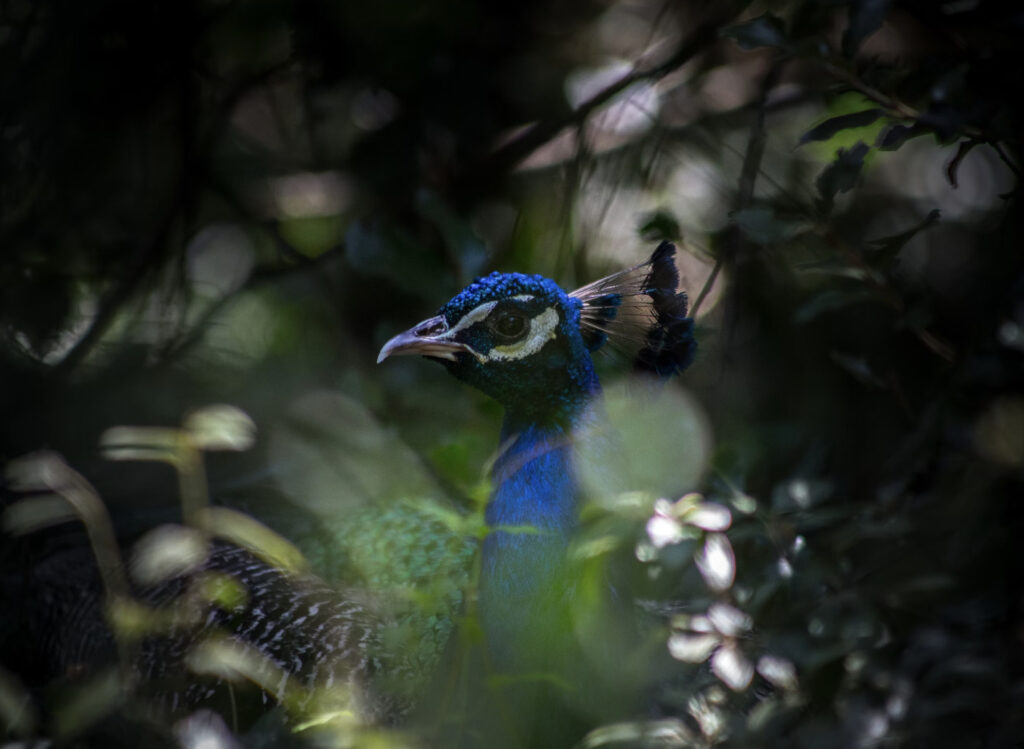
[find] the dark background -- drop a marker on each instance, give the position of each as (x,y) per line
(239,202)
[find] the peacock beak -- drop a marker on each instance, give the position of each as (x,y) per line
(428,338)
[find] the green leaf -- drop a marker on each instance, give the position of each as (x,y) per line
(833,125)
(767,30)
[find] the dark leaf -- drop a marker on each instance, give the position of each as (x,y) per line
(885,249)
(842,174)
(828,301)
(954,165)
(660,226)
(866,17)
(767,30)
(761,225)
(833,125)
(895,136)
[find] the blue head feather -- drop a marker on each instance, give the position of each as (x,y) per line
(548,386)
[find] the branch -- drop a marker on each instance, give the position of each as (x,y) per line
(703,36)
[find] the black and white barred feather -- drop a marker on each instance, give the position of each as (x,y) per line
(641,312)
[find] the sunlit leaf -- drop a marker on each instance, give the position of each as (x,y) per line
(220,427)
(728,620)
(663,530)
(249,533)
(166,552)
(716,562)
(709,516)
(37,471)
(833,125)
(669,732)
(731,666)
(691,647)
(779,671)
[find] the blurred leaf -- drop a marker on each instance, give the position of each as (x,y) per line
(767,30)
(249,533)
(312,236)
(166,552)
(90,703)
(895,136)
(842,174)
(220,427)
(709,516)
(17,711)
(717,562)
(691,647)
(223,591)
(728,620)
(865,17)
(652,440)
(999,432)
(460,238)
(391,252)
(828,301)
(884,251)
(659,226)
(36,513)
(954,165)
(732,667)
(859,368)
(779,671)
(761,225)
(833,125)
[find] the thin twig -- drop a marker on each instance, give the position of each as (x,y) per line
(702,37)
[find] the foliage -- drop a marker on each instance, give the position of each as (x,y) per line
(228,202)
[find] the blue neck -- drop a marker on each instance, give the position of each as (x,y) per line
(524,579)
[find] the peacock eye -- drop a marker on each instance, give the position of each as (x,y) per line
(509,325)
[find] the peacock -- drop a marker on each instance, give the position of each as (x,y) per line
(528,344)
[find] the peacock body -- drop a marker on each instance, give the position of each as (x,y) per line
(528,344)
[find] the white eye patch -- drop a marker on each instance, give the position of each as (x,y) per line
(542,330)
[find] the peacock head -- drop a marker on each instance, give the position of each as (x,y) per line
(524,341)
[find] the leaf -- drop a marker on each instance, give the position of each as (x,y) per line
(828,301)
(843,173)
(954,165)
(767,30)
(691,647)
(883,251)
(660,226)
(716,562)
(833,125)
(166,552)
(732,667)
(220,427)
(866,17)
(761,225)
(896,135)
